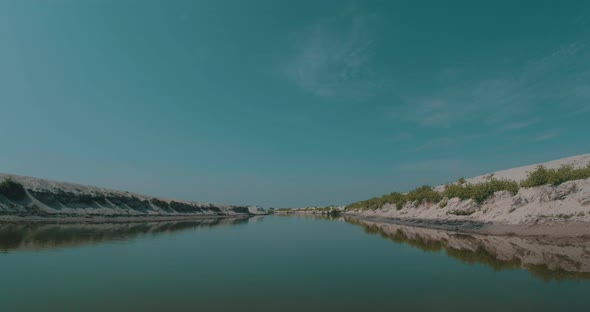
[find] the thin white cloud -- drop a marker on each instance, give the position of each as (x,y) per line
(444,142)
(580,110)
(447,142)
(490,101)
(582,93)
(519,124)
(402,136)
(507,99)
(547,136)
(334,61)
(429,166)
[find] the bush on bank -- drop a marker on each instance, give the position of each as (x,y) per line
(544,176)
(479,192)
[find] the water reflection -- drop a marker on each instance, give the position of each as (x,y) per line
(36,236)
(545,258)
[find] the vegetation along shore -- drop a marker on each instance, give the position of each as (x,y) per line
(551,198)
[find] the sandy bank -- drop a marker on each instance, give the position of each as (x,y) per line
(562,210)
(52,200)
(543,210)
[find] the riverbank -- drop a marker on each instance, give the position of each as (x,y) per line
(33,199)
(552,210)
(562,210)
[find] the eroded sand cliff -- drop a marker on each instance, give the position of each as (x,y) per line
(46,199)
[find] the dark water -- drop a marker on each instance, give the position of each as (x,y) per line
(284,264)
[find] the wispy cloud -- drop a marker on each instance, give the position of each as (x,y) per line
(582,93)
(584,109)
(519,124)
(449,167)
(333,58)
(446,142)
(437,143)
(490,101)
(401,137)
(506,99)
(547,136)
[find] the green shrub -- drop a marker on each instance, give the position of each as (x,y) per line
(421,194)
(540,176)
(481,191)
(424,194)
(12,190)
(478,192)
(398,199)
(543,176)
(458,190)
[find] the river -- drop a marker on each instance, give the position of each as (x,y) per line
(284,263)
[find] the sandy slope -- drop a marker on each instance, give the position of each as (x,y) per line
(551,210)
(520,173)
(52,199)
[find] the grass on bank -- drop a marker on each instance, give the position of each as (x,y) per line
(544,176)
(479,192)
(12,190)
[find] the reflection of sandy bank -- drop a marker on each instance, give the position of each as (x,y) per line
(544,257)
(33,236)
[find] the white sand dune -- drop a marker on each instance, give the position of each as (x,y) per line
(52,199)
(520,173)
(543,210)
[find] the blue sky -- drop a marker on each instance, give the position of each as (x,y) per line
(289,103)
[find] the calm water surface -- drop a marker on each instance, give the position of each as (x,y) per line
(283,264)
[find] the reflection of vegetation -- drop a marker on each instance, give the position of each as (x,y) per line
(12,190)
(479,192)
(480,255)
(483,256)
(400,237)
(40,235)
(543,272)
(317,217)
(332,211)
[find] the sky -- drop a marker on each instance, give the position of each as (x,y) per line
(289,103)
